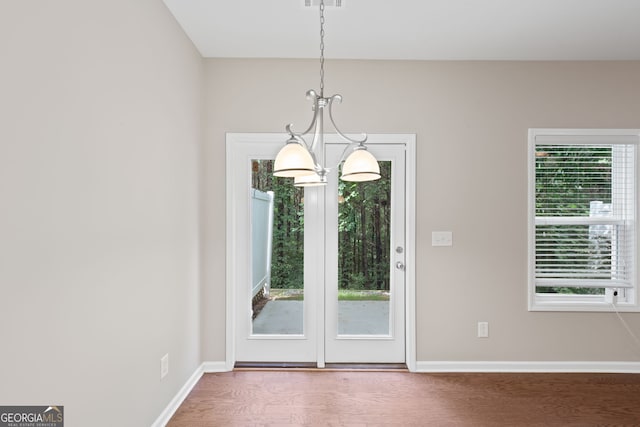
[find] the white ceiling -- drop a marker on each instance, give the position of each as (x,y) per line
(415,29)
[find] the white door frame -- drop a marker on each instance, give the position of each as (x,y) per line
(409,140)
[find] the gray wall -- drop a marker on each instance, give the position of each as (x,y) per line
(100,129)
(471,121)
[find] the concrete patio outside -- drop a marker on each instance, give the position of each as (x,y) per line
(354,318)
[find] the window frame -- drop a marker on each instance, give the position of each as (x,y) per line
(627,298)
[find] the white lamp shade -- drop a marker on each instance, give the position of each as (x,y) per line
(293,160)
(310,181)
(360,166)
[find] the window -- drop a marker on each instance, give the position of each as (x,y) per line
(582,226)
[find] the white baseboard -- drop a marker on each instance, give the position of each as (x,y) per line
(182,394)
(594,367)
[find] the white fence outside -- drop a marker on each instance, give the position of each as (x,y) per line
(261,240)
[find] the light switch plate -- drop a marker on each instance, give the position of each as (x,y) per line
(441,238)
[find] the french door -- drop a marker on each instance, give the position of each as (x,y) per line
(364,224)
(316,274)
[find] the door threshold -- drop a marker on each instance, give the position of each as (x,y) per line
(368,366)
(275,365)
(311,366)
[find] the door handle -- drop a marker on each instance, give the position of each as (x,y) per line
(400,265)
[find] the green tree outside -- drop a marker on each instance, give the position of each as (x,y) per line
(364,218)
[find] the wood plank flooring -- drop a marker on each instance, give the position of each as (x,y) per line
(359,398)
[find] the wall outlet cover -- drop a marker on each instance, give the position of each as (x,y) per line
(164,366)
(483,329)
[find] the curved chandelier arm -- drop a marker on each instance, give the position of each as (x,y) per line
(311,94)
(338,98)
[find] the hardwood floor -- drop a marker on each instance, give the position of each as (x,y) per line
(357,398)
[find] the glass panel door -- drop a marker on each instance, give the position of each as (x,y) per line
(364,255)
(274,312)
(314,275)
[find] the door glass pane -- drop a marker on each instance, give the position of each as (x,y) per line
(277,240)
(364,236)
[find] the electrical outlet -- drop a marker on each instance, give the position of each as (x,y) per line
(164,366)
(483,329)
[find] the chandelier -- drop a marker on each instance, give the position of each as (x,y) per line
(304,162)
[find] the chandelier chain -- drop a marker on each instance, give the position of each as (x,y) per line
(321,48)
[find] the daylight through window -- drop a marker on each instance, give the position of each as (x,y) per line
(583,235)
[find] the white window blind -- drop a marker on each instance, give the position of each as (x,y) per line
(584,211)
